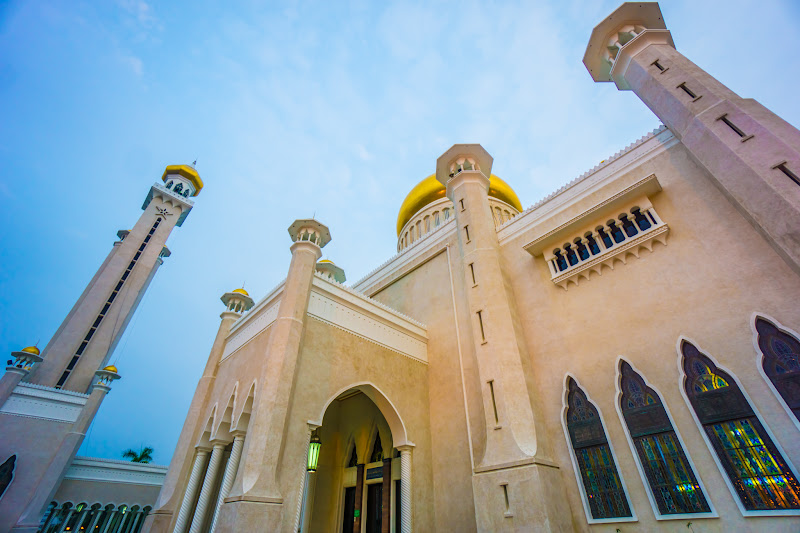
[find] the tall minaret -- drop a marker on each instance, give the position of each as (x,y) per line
(90,332)
(751,153)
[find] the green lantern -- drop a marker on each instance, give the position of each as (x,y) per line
(313,452)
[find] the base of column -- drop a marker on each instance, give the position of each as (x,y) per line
(157,522)
(246,515)
(537,500)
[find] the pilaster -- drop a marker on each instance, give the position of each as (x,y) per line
(256,496)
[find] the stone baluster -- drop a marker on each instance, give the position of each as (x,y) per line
(95,519)
(191,490)
(208,487)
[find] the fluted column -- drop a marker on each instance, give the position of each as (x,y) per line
(300,496)
(191,490)
(208,487)
(227,478)
(405,489)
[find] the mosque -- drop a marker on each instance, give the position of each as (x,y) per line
(620,356)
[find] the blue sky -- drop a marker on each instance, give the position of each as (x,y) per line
(292,109)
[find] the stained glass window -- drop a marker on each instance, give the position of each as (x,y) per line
(757,470)
(599,475)
(377,450)
(672,481)
(781,362)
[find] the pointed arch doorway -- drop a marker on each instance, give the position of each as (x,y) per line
(358,486)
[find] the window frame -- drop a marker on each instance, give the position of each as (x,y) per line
(760,361)
(575,465)
(640,467)
(711,450)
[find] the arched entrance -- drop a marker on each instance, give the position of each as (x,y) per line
(358,486)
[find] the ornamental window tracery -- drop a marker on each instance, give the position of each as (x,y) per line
(781,361)
(672,481)
(599,476)
(755,467)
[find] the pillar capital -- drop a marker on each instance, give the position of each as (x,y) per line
(306,246)
(629,29)
(236,302)
(405,448)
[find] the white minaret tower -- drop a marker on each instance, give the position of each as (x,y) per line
(90,332)
(752,154)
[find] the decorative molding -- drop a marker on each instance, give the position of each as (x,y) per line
(623,161)
(46,403)
(645,186)
(114,471)
(255,326)
(258,307)
(619,252)
(348,310)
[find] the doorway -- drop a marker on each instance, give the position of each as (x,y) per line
(374,507)
(349,510)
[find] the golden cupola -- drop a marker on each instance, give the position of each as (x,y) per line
(427,207)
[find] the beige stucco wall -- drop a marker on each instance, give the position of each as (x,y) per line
(705,284)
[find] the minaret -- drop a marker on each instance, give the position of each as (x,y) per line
(509,469)
(90,332)
(752,154)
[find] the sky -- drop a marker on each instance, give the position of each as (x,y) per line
(294,109)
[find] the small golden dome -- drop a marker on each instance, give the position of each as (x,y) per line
(241,291)
(31,349)
(429,190)
(111,368)
(187,172)
(326,261)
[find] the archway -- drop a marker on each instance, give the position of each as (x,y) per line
(358,483)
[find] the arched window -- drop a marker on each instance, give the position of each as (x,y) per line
(353,461)
(377,450)
(755,467)
(178,188)
(670,476)
(781,362)
(601,482)
(169,184)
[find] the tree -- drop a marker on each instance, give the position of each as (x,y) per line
(144,455)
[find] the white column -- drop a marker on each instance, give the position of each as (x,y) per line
(405,488)
(301,491)
(191,491)
(56,510)
(135,522)
(93,523)
(227,478)
(66,520)
(311,487)
(208,487)
(111,515)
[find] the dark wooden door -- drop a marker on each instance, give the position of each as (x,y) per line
(349,509)
(374,507)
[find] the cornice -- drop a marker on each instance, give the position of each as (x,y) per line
(621,162)
(114,471)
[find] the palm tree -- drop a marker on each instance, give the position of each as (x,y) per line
(145,455)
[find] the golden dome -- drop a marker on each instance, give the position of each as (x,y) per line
(111,368)
(187,172)
(326,261)
(241,291)
(429,190)
(31,349)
